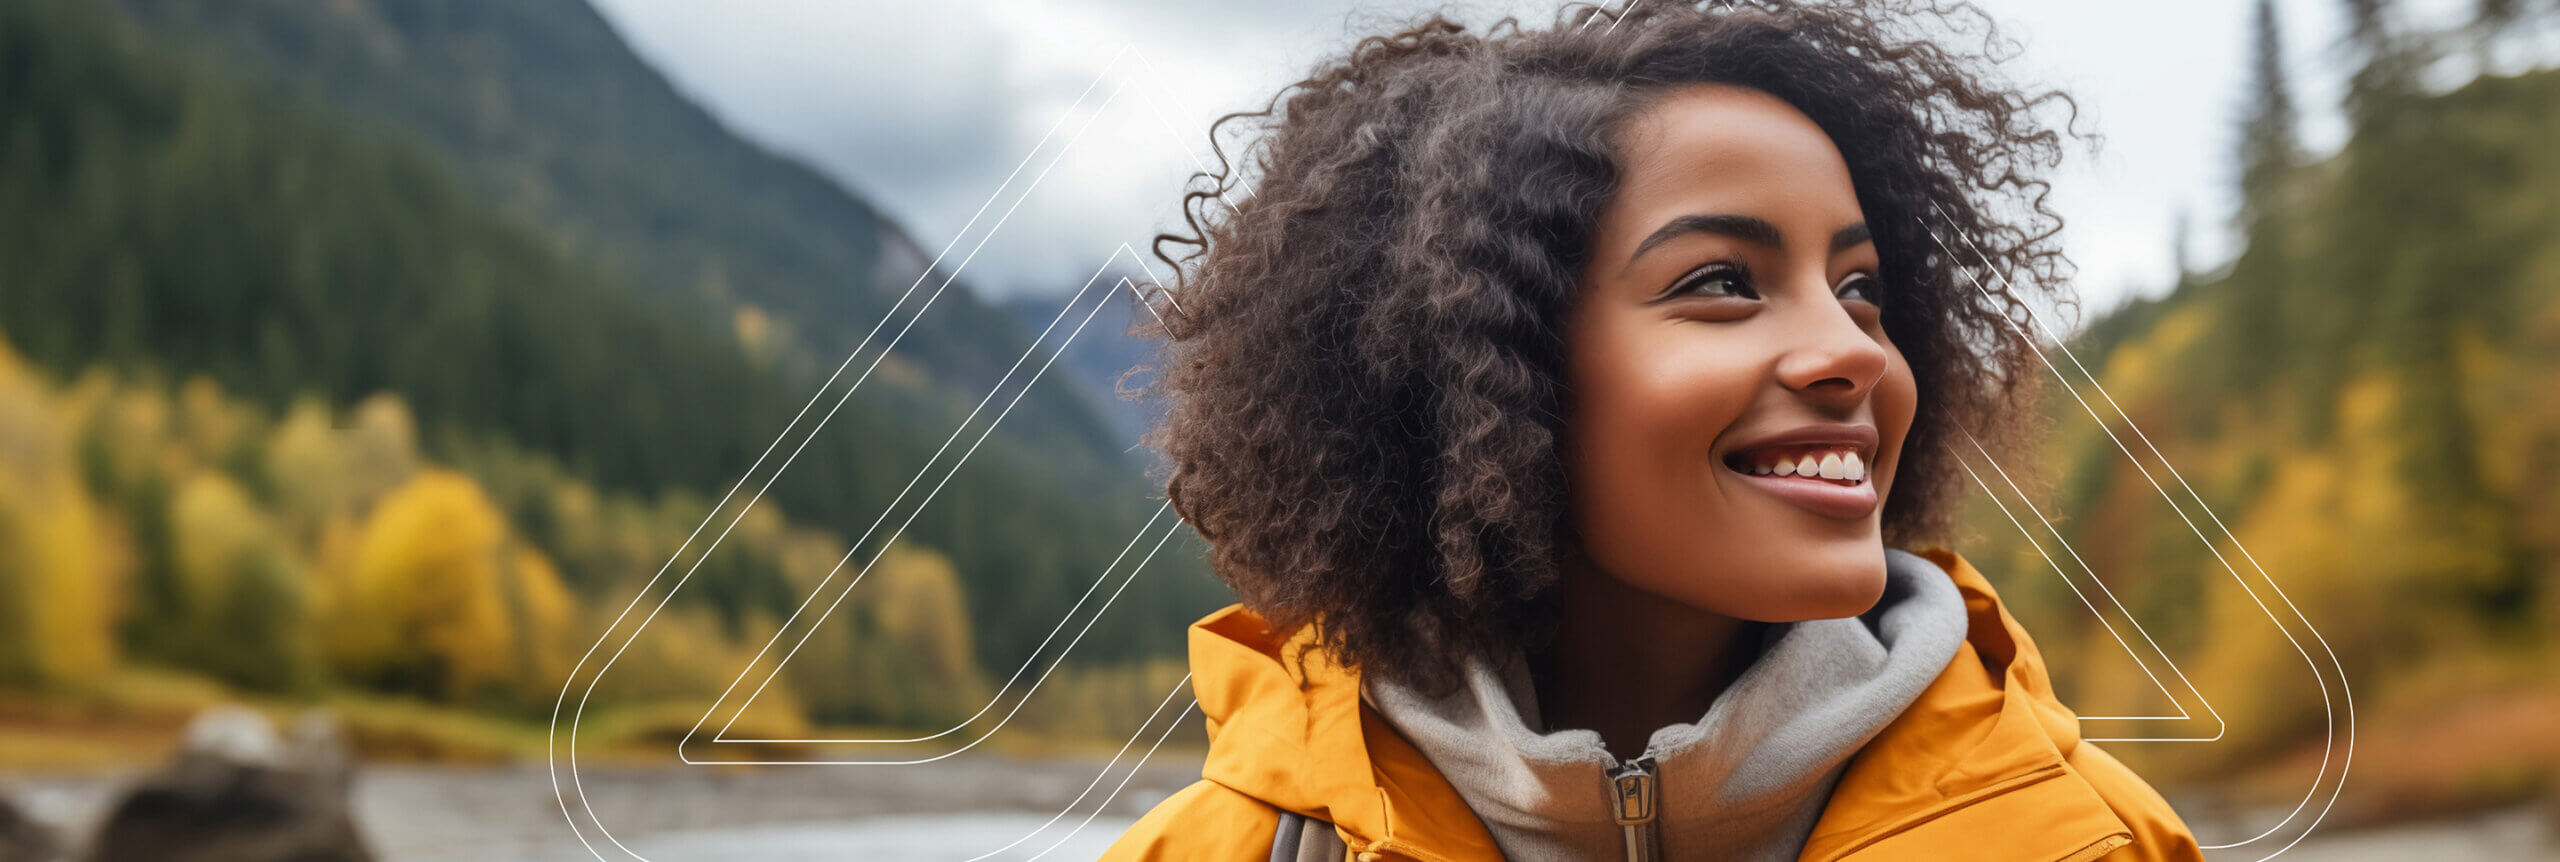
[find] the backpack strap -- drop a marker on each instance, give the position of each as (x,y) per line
(1300,838)
(1284,840)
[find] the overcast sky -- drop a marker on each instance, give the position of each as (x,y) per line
(926,108)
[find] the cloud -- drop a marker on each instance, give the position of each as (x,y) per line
(923,107)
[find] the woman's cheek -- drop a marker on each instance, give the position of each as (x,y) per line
(1897,404)
(1653,410)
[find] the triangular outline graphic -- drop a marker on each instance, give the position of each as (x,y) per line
(2334,672)
(575,784)
(721,736)
(1156,111)
(2180,703)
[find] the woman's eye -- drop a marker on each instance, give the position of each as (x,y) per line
(1872,286)
(1717,278)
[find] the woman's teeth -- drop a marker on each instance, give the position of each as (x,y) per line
(1837,463)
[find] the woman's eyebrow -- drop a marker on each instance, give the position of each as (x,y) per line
(1751,229)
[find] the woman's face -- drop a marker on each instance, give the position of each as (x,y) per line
(1727,322)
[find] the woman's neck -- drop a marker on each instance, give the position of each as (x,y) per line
(1626,662)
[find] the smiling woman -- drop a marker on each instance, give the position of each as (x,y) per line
(1571,411)
(1746,328)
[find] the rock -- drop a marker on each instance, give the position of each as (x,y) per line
(236,793)
(25,840)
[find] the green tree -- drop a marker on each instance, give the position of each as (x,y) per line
(2269,151)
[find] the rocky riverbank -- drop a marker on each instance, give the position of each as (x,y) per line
(441,813)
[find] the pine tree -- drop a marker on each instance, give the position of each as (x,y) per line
(2390,57)
(2510,21)
(2269,148)
(2254,339)
(2181,255)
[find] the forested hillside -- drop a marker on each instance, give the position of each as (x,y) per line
(544,111)
(2369,398)
(295,398)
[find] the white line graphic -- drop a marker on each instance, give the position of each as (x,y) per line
(1124,780)
(1104,771)
(1125,580)
(722,735)
(2093,608)
(575,786)
(2329,748)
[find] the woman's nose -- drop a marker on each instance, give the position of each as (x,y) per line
(1828,353)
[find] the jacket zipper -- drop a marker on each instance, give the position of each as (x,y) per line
(1632,784)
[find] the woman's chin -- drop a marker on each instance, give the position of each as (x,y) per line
(1827,589)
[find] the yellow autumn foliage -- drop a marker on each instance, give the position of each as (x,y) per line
(382,442)
(546,617)
(305,466)
(214,424)
(59,574)
(216,529)
(423,606)
(917,597)
(2137,371)
(285,552)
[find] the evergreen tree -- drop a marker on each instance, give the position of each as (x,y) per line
(2496,21)
(2254,339)
(2269,148)
(2488,17)
(2388,57)
(2181,255)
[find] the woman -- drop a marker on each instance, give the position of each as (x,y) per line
(1559,404)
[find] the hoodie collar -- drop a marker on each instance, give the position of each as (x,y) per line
(1286,726)
(1980,752)
(1746,780)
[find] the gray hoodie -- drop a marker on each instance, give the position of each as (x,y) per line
(1745,781)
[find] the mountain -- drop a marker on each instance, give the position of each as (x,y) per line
(165,206)
(548,114)
(1102,350)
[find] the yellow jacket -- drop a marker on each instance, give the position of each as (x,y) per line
(1987,764)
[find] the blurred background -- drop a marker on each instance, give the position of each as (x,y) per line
(543,430)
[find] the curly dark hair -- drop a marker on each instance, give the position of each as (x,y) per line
(1363,361)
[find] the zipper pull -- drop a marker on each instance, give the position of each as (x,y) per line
(1632,784)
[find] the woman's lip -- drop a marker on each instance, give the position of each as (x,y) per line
(1821,497)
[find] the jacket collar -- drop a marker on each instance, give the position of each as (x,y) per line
(1286,726)
(1981,752)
